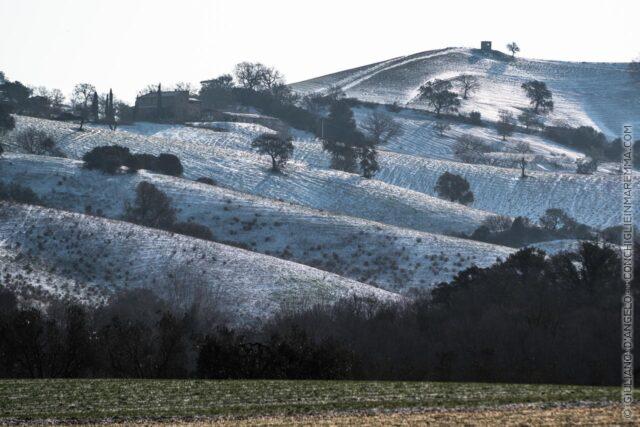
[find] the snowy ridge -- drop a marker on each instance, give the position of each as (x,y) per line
(389,257)
(89,257)
(591,199)
(247,172)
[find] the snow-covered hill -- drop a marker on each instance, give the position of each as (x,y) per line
(593,94)
(386,256)
(247,172)
(591,199)
(88,258)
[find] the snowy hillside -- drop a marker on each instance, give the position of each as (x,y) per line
(389,257)
(88,257)
(592,94)
(247,172)
(591,199)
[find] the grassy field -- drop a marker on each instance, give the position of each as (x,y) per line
(109,400)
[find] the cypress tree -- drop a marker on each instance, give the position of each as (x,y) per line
(159,107)
(94,107)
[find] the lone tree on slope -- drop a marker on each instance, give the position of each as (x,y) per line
(469,84)
(257,76)
(454,188)
(506,124)
(152,208)
(341,137)
(539,96)
(439,96)
(513,48)
(82,94)
(278,147)
(94,108)
(381,127)
(442,127)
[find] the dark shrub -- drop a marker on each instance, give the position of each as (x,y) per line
(454,188)
(394,108)
(169,164)
(15,192)
(107,158)
(192,229)
(584,139)
(475,118)
(142,161)
(587,166)
(7,122)
(206,180)
(152,208)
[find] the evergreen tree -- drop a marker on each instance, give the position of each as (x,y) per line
(94,108)
(278,147)
(159,105)
(454,188)
(539,95)
(109,111)
(341,138)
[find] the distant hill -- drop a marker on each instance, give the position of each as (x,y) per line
(601,95)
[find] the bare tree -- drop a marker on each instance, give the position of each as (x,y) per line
(523,165)
(381,127)
(513,48)
(469,84)
(186,87)
(82,94)
(255,76)
(272,78)
(442,126)
(57,99)
(506,124)
(35,141)
(523,147)
(530,120)
(150,88)
(470,149)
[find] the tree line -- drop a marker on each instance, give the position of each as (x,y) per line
(530,318)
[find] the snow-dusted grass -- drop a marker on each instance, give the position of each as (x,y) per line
(386,256)
(602,95)
(89,257)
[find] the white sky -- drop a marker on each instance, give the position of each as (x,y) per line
(129,44)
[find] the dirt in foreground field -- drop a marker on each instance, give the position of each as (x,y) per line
(518,415)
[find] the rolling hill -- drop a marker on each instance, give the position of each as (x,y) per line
(245,171)
(87,258)
(591,94)
(390,257)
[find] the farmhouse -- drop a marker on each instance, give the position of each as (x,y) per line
(174,106)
